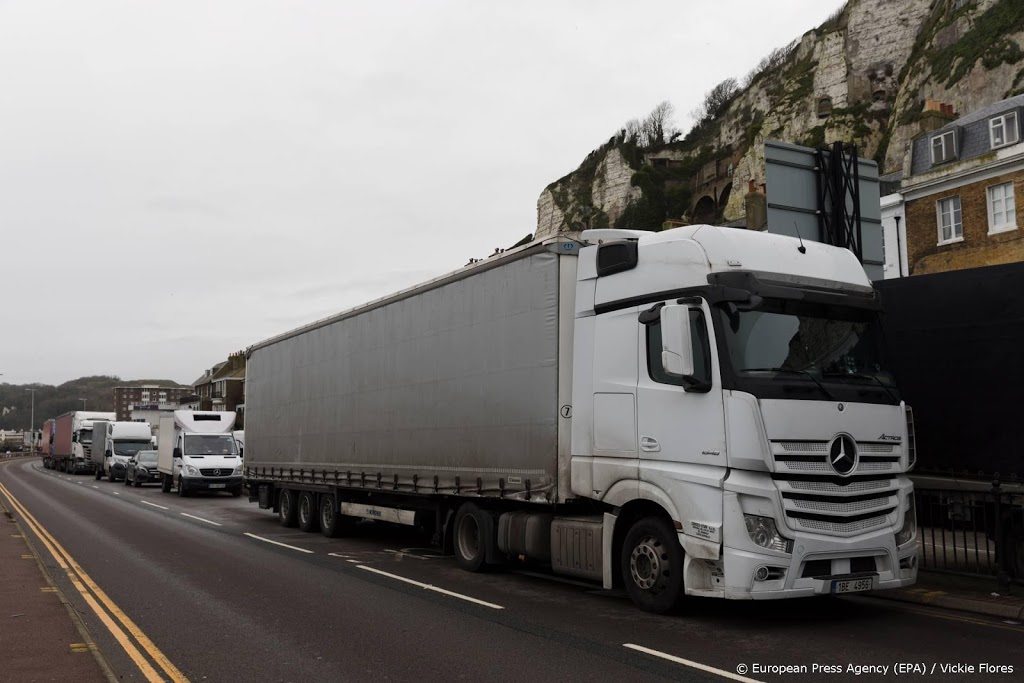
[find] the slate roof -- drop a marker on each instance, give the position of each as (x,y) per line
(972,134)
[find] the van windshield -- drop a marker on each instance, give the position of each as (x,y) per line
(210,444)
(130,447)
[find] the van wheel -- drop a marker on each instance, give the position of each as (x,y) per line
(472,527)
(652,565)
(288,509)
(182,491)
(165,483)
(308,513)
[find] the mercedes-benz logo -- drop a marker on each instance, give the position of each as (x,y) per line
(842,454)
(216,473)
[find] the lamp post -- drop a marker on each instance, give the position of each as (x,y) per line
(83,400)
(32,418)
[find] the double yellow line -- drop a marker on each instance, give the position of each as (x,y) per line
(94,595)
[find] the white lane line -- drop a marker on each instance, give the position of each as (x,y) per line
(146,502)
(353,561)
(185,514)
(696,665)
(428,587)
(341,555)
(283,545)
(116,493)
(96,487)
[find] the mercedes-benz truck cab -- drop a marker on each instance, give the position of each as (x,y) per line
(767,423)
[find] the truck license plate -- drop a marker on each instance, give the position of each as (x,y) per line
(221,486)
(851,586)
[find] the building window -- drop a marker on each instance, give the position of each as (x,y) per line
(1002,214)
(944,147)
(1003,130)
(951,227)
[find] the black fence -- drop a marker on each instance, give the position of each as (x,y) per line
(978,532)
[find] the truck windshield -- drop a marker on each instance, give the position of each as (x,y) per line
(781,347)
(127,447)
(85,436)
(210,444)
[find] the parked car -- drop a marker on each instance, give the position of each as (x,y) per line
(142,469)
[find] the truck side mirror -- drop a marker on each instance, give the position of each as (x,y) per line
(177,453)
(109,453)
(676,345)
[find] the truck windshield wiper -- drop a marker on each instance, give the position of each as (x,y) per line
(861,375)
(798,372)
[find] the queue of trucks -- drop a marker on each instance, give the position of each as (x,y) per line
(698,412)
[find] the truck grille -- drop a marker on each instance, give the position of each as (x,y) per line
(215,472)
(816,499)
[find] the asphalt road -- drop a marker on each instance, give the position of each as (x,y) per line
(201,582)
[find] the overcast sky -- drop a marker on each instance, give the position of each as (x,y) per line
(179,180)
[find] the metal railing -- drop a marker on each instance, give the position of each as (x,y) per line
(977,532)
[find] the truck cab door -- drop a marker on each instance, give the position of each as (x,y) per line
(609,461)
(680,424)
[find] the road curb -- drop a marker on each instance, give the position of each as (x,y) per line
(938,598)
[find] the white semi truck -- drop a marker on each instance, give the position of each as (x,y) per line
(197,452)
(114,443)
(702,411)
(72,440)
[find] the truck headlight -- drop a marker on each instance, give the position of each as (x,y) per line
(191,471)
(238,470)
(763,532)
(909,530)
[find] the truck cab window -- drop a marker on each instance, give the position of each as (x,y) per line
(701,352)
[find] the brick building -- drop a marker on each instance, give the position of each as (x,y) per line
(222,387)
(125,398)
(960,194)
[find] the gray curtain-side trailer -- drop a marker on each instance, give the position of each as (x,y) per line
(402,408)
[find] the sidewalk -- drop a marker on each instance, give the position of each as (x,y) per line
(979,595)
(41,638)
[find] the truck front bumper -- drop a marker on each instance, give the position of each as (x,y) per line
(817,564)
(213,483)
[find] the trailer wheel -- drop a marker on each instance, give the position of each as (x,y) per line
(652,565)
(308,514)
(332,523)
(471,537)
(288,508)
(165,483)
(99,474)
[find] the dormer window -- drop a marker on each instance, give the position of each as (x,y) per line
(944,147)
(1003,130)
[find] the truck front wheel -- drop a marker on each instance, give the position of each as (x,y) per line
(652,565)
(308,513)
(288,508)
